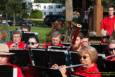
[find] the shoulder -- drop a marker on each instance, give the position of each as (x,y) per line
(94,68)
(9,42)
(106,18)
(22,42)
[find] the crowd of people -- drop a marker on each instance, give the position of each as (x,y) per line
(88,55)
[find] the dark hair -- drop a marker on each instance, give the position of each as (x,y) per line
(111,6)
(34,36)
(17,32)
(80,35)
(26,26)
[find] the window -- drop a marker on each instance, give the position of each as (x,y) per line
(50,13)
(44,13)
(50,6)
(44,7)
(58,6)
(39,6)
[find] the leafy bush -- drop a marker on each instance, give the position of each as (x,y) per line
(36,14)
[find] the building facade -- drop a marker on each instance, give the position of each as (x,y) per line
(49,8)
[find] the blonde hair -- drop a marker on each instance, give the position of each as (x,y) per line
(91,51)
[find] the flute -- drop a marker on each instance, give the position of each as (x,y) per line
(71,66)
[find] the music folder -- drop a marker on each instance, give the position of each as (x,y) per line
(21,57)
(8,71)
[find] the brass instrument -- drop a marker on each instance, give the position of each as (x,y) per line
(75,31)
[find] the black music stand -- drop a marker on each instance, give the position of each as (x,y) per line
(21,57)
(6,71)
(46,58)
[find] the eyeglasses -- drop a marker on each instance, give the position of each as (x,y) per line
(32,43)
(84,57)
(111,49)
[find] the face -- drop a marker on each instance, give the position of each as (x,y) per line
(3,60)
(25,30)
(16,38)
(32,43)
(86,60)
(85,42)
(112,49)
(111,11)
(77,43)
(56,40)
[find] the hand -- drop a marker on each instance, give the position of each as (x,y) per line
(104,32)
(110,58)
(55,66)
(13,46)
(63,70)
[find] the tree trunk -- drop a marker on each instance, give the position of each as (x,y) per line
(69,18)
(98,15)
(14,19)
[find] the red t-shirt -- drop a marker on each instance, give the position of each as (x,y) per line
(89,72)
(21,45)
(45,45)
(108,24)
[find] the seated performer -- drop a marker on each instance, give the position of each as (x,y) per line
(33,42)
(55,40)
(4,59)
(16,42)
(88,59)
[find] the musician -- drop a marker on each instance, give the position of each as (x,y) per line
(25,28)
(111,50)
(33,42)
(110,58)
(4,59)
(55,40)
(85,41)
(107,24)
(16,42)
(88,59)
(76,43)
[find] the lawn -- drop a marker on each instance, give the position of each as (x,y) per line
(40,30)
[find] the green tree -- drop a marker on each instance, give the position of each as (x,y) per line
(36,14)
(14,8)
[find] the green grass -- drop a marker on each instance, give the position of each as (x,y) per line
(39,29)
(42,31)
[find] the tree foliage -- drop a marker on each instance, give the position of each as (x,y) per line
(50,1)
(36,14)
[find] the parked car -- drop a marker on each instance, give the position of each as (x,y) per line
(4,23)
(25,22)
(51,18)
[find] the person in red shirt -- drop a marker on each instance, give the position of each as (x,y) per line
(16,42)
(55,40)
(4,60)
(107,24)
(88,59)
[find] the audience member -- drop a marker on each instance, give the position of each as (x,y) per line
(55,40)
(16,42)
(107,24)
(88,59)
(4,59)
